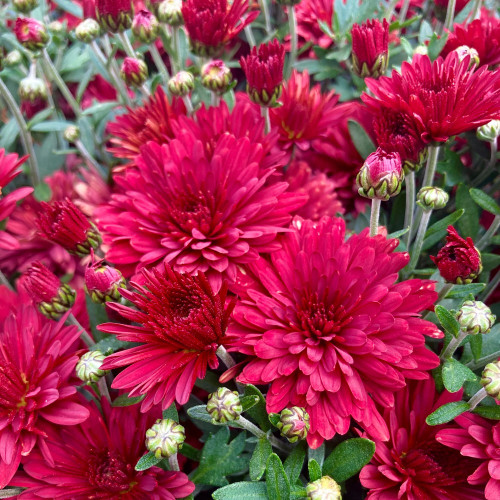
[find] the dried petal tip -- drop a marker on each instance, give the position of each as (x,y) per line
(165,438)
(475,317)
(181,84)
(114,15)
(103,283)
(134,72)
(381,175)
(323,489)
(64,223)
(224,405)
(24,6)
(72,133)
(52,297)
(466,51)
(87,31)
(432,198)
(31,33)
(216,76)
(294,423)
(145,26)
(370,48)
(490,379)
(488,132)
(170,12)
(459,261)
(32,89)
(88,368)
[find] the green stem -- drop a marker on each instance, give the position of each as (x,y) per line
(481,362)
(483,242)
(225,356)
(176,60)
(127,46)
(103,388)
(419,241)
(374,216)
(252,428)
(188,104)
(404,11)
(453,345)
(264,8)
(265,113)
(83,333)
(390,10)
(250,37)
(214,99)
(292,22)
(450,14)
(60,84)
(5,282)
(490,288)
(88,157)
(476,10)
(26,138)
(490,167)
(410,203)
(173,462)
(160,65)
(477,398)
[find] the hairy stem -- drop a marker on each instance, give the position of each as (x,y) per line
(374,216)
(410,204)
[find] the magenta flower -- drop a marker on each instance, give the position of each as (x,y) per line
(370,48)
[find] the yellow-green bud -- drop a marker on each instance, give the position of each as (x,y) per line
(165,438)
(72,133)
(181,84)
(490,379)
(294,423)
(475,317)
(170,12)
(32,88)
(88,368)
(432,198)
(489,132)
(88,30)
(24,6)
(13,58)
(464,50)
(421,49)
(324,489)
(56,27)
(216,76)
(224,405)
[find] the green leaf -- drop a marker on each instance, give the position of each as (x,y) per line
(455,374)
(40,117)
(9,134)
(200,412)
(274,418)
(100,107)
(295,461)
(469,223)
(110,344)
(277,484)
(490,261)
(71,7)
(258,462)
(124,400)
(147,461)
(245,490)
(398,234)
(171,413)
(447,413)
(436,45)
(441,225)
(348,458)
(314,470)
(220,459)
(42,192)
(317,454)
(258,412)
(190,452)
(248,402)
(491,412)
(448,320)
(97,316)
(51,126)
(476,345)
(361,140)
(462,291)
(484,201)
(452,168)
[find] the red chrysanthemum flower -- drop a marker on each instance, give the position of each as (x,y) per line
(36,362)
(114,15)
(327,326)
(31,33)
(481,34)
(97,459)
(444,97)
(308,13)
(477,438)
(370,48)
(183,324)
(211,24)
(413,465)
(198,205)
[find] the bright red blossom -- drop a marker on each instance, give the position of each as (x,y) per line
(370,48)
(324,323)
(183,323)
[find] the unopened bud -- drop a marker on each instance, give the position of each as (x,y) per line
(87,31)
(432,198)
(72,133)
(464,50)
(475,317)
(181,84)
(216,76)
(88,368)
(294,423)
(56,27)
(490,379)
(13,58)
(103,283)
(114,15)
(324,489)
(170,12)
(32,88)
(24,6)
(165,438)
(31,33)
(224,405)
(134,72)
(145,26)
(489,132)
(421,49)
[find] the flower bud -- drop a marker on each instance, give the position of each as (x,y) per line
(216,76)
(88,369)
(24,6)
(31,33)
(224,405)
(181,84)
(87,31)
(13,58)
(323,489)
(475,317)
(294,423)
(463,51)
(56,27)
(32,88)
(432,198)
(490,379)
(421,49)
(488,132)
(103,283)
(165,438)
(145,26)
(170,12)
(52,297)
(72,133)
(370,48)
(134,72)
(114,15)
(381,175)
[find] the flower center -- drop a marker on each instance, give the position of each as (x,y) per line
(14,389)
(108,472)
(181,302)
(192,212)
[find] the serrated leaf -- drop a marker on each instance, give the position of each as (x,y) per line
(455,374)
(447,413)
(277,484)
(448,320)
(190,452)
(124,400)
(348,458)
(462,291)
(109,345)
(361,140)
(491,412)
(295,461)
(147,461)
(258,412)
(258,462)
(220,459)
(484,201)
(171,413)
(314,470)
(244,490)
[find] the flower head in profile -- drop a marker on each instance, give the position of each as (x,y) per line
(97,459)
(31,33)
(114,15)
(325,323)
(370,48)
(183,322)
(36,362)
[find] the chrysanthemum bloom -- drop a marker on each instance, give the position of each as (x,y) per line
(459,261)
(64,223)
(370,48)
(36,363)
(197,208)
(413,465)
(308,13)
(325,324)
(114,15)
(263,69)
(212,24)
(444,97)
(216,76)
(103,283)
(183,323)
(482,35)
(31,33)
(133,71)
(145,26)
(97,460)
(477,438)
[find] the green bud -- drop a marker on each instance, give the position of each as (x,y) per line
(165,438)
(87,31)
(216,76)
(72,133)
(224,405)
(475,317)
(489,132)
(294,423)
(181,84)
(60,304)
(25,6)
(432,198)
(490,379)
(32,88)
(13,58)
(88,368)
(464,50)
(323,489)
(170,12)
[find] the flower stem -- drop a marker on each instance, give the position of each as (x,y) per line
(225,356)
(374,216)
(483,242)
(250,37)
(404,11)
(477,398)
(419,241)
(176,60)
(84,335)
(481,362)
(88,157)
(11,492)
(265,113)
(248,426)
(490,287)
(410,203)
(26,138)
(490,167)
(214,99)
(103,389)
(264,8)
(453,345)
(292,21)
(127,46)
(188,104)
(450,14)
(160,65)
(476,10)
(390,10)
(173,462)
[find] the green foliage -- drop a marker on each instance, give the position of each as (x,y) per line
(447,413)
(171,413)
(484,201)
(110,344)
(124,400)
(295,461)
(244,490)
(314,470)
(455,374)
(277,483)
(258,462)
(258,412)
(362,141)
(448,320)
(147,461)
